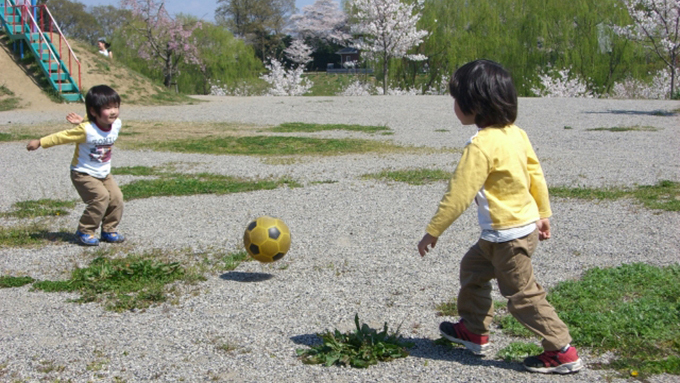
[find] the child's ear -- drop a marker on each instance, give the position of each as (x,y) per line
(93,111)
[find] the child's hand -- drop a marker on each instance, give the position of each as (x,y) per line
(543,226)
(74,118)
(427,240)
(33,145)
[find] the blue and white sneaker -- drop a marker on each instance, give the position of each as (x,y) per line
(112,237)
(86,239)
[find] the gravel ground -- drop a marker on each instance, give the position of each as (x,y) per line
(354,244)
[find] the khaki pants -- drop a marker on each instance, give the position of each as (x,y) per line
(510,264)
(104,202)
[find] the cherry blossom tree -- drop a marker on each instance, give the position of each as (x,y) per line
(163,41)
(562,83)
(387,30)
(285,82)
(322,21)
(299,52)
(656,23)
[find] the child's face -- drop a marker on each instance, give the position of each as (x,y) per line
(465,119)
(107,115)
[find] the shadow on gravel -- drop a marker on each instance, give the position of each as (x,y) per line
(661,113)
(426,348)
(55,236)
(308,340)
(239,276)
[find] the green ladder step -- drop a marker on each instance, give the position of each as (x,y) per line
(65,87)
(63,76)
(71,97)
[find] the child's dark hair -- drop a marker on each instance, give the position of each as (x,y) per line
(485,88)
(98,97)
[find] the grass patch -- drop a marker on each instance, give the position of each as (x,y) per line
(361,348)
(30,235)
(138,281)
(176,184)
(273,146)
(8,282)
(665,195)
(412,176)
(123,284)
(290,127)
(632,310)
(40,208)
(9,103)
(511,326)
(7,99)
(638,128)
(226,138)
(14,136)
(326,84)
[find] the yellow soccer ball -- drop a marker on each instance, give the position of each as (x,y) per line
(267,239)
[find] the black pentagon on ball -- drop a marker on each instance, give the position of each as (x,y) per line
(254,249)
(278,256)
(274,233)
(252,225)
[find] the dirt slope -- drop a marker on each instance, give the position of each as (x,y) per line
(95,70)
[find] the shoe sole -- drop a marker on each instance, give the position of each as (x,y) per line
(81,243)
(117,241)
(477,349)
(566,368)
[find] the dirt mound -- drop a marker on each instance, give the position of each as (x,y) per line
(19,78)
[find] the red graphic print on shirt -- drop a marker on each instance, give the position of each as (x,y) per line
(101,153)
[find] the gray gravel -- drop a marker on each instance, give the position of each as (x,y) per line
(354,244)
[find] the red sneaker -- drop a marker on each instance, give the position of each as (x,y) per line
(555,361)
(457,333)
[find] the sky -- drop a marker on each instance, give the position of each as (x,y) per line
(204,9)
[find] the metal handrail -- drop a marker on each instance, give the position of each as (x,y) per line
(26,14)
(41,36)
(61,37)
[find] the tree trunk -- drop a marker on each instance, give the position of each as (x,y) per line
(385,75)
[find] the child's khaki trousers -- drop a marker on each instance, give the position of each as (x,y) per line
(104,203)
(510,264)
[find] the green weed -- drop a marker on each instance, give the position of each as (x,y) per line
(40,208)
(361,348)
(231,261)
(308,128)
(448,309)
(517,352)
(665,195)
(412,176)
(8,281)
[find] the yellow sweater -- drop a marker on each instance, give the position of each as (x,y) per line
(500,171)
